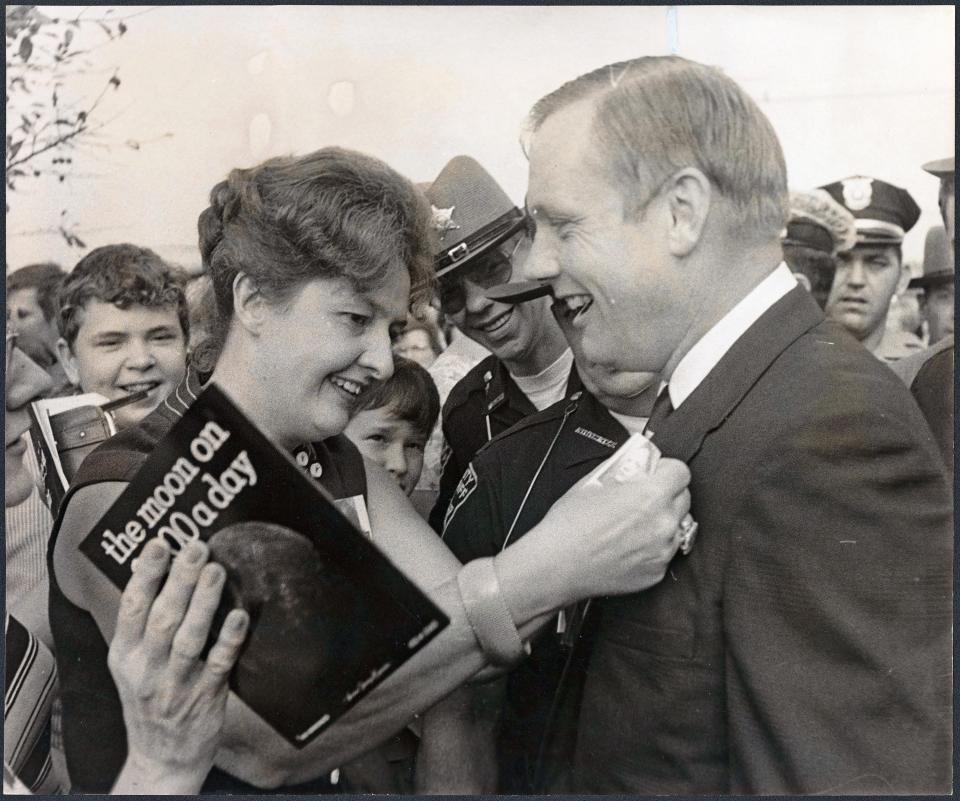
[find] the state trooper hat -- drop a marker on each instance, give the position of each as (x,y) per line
(471,213)
(938,265)
(883,212)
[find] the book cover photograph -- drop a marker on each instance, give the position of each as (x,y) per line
(331,616)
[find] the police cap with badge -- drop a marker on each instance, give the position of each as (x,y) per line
(883,213)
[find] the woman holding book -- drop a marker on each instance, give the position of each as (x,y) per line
(314,263)
(157,744)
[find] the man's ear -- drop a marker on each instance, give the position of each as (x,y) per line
(249,304)
(69,362)
(688,195)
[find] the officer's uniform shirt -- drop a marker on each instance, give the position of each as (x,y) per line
(481,523)
(486,402)
(897,345)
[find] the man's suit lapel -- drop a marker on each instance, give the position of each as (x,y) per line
(682,433)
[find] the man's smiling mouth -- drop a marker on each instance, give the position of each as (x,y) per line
(573,307)
(352,388)
(495,324)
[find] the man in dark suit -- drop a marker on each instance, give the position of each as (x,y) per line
(804,645)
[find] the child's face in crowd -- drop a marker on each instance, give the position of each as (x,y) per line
(121,351)
(25,381)
(390,442)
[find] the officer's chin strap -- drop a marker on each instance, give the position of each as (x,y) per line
(571,408)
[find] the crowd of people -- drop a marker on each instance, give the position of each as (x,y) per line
(768,610)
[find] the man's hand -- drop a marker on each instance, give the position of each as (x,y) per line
(173,704)
(612,539)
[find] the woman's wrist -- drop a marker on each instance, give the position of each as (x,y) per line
(144,774)
(488,614)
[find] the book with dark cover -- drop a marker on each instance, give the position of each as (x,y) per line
(331,616)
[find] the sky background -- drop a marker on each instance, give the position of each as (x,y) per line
(849,90)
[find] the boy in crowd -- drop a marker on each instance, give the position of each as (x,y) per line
(32,302)
(393,421)
(391,425)
(124,327)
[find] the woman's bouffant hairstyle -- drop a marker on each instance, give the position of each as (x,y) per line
(125,275)
(409,394)
(656,115)
(334,213)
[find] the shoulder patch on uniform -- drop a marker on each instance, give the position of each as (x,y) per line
(445,453)
(585,432)
(463,491)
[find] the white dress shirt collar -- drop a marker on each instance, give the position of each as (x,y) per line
(710,349)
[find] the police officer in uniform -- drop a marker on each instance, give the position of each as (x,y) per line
(871,272)
(516,735)
(482,236)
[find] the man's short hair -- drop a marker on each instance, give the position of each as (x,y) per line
(658,114)
(409,394)
(45,277)
(124,275)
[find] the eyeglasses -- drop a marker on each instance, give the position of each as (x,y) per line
(489,271)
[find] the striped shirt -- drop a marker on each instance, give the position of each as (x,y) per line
(31,679)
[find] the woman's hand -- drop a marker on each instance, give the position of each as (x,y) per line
(608,539)
(173,703)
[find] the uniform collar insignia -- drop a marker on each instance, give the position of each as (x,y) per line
(605,441)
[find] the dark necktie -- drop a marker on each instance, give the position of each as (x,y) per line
(662,408)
